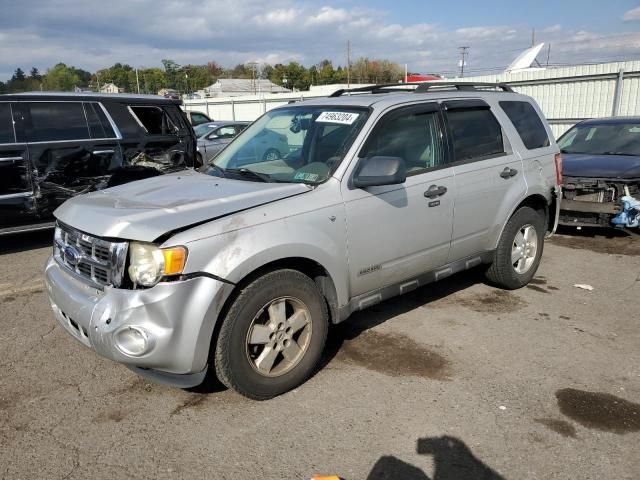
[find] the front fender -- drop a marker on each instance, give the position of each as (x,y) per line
(318,235)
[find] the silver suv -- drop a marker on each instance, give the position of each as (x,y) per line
(238,272)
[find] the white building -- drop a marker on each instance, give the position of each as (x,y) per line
(111,88)
(237,87)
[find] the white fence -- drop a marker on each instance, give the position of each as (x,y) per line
(570,94)
(566,95)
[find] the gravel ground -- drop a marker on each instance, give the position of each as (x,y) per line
(457,380)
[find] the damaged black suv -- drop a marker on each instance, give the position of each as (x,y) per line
(54,146)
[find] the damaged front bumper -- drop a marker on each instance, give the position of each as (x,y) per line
(162,333)
(593,202)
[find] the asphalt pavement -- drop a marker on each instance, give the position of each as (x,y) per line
(457,380)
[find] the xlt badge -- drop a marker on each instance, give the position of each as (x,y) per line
(371,269)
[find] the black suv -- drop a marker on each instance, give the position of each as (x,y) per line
(54,146)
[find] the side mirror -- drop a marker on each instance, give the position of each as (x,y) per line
(212,136)
(379,170)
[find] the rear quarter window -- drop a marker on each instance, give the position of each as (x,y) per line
(528,124)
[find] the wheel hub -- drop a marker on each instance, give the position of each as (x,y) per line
(278,336)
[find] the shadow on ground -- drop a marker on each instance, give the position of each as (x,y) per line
(452,460)
(22,242)
(364,320)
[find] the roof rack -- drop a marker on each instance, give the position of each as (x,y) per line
(423,87)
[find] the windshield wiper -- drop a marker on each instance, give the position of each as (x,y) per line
(245,172)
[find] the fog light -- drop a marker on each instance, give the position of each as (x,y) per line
(132,341)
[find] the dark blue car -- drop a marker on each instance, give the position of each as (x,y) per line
(601,168)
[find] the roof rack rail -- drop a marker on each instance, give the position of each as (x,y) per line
(464,86)
(422,87)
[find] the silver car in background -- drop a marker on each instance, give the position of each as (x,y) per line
(238,272)
(214,136)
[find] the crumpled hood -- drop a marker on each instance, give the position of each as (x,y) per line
(600,166)
(147,209)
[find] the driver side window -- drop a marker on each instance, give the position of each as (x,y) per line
(225,132)
(411,134)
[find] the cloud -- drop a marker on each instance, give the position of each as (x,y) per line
(632,15)
(92,35)
(553,29)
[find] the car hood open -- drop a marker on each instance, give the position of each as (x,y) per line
(147,209)
(600,166)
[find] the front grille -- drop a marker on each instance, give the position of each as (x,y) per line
(98,262)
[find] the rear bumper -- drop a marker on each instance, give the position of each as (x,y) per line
(176,321)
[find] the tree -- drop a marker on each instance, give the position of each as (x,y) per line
(61,78)
(18,75)
(171,72)
(215,70)
(326,72)
(35,74)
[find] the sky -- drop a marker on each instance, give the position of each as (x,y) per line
(424,34)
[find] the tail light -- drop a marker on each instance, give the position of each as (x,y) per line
(558,161)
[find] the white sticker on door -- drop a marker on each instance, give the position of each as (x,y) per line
(345,118)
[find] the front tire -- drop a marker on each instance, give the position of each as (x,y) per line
(519,251)
(273,335)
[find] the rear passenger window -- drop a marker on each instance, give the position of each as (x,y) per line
(527,123)
(412,135)
(154,120)
(99,125)
(6,124)
(57,121)
(475,134)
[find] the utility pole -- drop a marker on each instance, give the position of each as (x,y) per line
(533,37)
(348,63)
(463,60)
(548,54)
(137,81)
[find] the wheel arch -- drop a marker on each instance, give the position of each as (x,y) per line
(311,268)
(535,201)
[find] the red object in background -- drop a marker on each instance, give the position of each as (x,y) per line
(422,78)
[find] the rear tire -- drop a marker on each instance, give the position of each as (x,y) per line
(519,250)
(273,335)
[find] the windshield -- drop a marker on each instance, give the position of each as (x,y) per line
(295,144)
(603,139)
(203,129)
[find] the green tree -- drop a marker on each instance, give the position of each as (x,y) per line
(35,74)
(171,72)
(61,78)
(18,75)
(326,72)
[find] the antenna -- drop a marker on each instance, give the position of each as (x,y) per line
(463,54)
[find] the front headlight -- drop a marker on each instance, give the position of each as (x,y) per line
(148,263)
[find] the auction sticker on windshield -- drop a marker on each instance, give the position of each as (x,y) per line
(345,118)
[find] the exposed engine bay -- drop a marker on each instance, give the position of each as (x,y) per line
(600,202)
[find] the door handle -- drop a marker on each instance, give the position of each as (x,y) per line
(11,159)
(102,152)
(508,172)
(435,191)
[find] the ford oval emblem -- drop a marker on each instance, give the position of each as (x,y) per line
(71,255)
